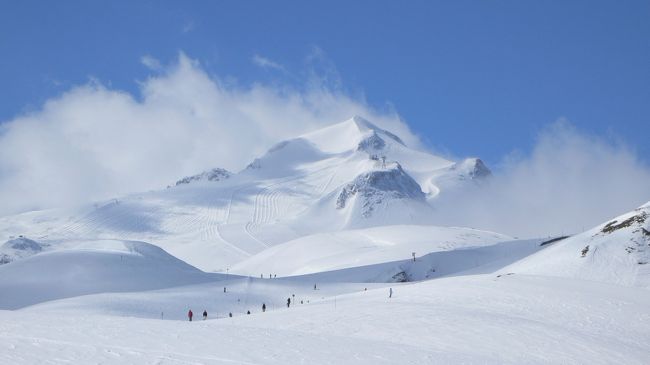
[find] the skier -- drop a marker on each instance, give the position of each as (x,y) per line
(230,314)
(314,286)
(224,289)
(189,315)
(288,302)
(248,312)
(263,307)
(390,292)
(205,315)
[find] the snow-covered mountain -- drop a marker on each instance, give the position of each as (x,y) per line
(349,175)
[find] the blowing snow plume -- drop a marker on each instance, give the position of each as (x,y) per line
(569,182)
(94,142)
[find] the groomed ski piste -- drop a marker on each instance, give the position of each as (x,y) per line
(336,222)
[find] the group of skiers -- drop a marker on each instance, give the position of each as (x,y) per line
(205,312)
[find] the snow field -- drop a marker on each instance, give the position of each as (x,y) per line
(480,319)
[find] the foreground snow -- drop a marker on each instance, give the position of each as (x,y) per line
(512,319)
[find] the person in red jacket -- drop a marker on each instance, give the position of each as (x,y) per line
(189,315)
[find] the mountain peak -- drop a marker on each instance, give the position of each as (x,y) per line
(364,126)
(362,123)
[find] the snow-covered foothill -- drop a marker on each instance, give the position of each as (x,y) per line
(97,266)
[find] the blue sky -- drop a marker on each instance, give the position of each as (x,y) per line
(473,77)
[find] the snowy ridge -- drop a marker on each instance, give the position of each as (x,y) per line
(616,252)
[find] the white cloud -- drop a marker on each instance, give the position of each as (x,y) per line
(264,62)
(571,181)
(95,142)
(151,62)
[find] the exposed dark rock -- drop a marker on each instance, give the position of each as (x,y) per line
(216,174)
(615,225)
(379,185)
(553,240)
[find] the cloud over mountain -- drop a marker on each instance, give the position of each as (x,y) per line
(94,141)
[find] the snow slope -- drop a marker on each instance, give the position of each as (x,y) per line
(616,252)
(514,319)
(362,247)
(85,267)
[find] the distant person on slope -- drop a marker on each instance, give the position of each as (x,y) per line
(189,315)
(263,307)
(288,302)
(205,315)
(390,292)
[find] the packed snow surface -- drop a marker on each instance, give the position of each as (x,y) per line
(484,319)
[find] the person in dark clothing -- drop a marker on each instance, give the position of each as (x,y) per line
(190,315)
(230,314)
(205,315)
(263,307)
(248,312)
(288,302)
